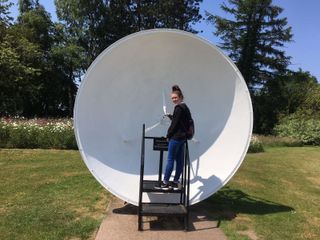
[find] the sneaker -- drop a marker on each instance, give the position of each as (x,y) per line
(175,185)
(163,186)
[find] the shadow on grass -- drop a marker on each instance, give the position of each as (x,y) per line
(234,201)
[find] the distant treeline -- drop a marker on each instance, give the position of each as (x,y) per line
(42,61)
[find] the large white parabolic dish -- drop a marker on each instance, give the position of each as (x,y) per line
(128,84)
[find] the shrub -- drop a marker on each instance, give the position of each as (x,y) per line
(255,145)
(37,133)
(306,129)
(304,124)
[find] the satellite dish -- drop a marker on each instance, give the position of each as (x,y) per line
(129,84)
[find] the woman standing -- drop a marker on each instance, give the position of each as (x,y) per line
(176,136)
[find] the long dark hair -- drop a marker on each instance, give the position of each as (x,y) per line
(176,89)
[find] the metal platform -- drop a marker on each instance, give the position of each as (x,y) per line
(179,208)
(158,209)
(150,186)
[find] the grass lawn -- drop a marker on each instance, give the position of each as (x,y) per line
(274,195)
(48,194)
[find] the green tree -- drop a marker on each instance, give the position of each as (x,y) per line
(16,54)
(310,107)
(179,14)
(38,64)
(66,58)
(303,124)
(97,24)
(35,24)
(295,89)
(59,62)
(280,97)
(254,38)
(17,88)
(87,23)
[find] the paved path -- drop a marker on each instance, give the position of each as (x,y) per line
(121,222)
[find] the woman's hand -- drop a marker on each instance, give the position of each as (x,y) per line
(169,115)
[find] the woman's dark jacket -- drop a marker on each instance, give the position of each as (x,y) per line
(180,117)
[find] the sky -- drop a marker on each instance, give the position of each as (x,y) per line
(302,16)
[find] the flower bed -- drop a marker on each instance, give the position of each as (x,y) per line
(37,133)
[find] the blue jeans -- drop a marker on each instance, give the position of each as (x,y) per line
(175,153)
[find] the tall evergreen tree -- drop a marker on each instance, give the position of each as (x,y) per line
(254,38)
(5,18)
(26,5)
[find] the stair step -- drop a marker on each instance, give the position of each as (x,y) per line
(151,209)
(149,186)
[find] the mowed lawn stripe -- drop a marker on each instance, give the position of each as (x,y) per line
(277,193)
(48,194)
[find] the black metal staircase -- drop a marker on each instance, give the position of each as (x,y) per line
(179,208)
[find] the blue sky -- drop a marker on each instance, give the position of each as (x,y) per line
(303,17)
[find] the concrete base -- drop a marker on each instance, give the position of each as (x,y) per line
(121,223)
